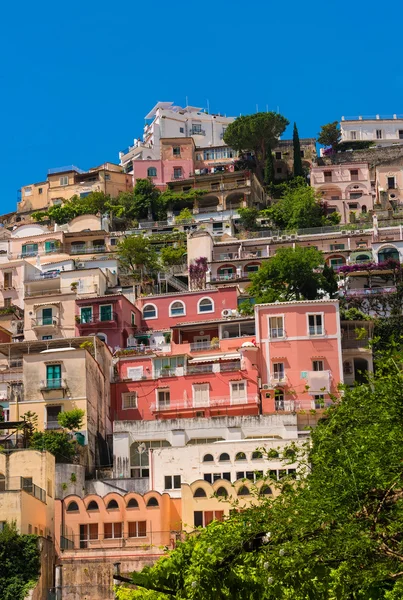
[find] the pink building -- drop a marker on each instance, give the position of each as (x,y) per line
(346,188)
(113,318)
(300,356)
(176,162)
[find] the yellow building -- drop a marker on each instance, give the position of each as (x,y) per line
(63,183)
(60,375)
(27,486)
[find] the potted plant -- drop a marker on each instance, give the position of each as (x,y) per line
(214,342)
(78,319)
(74,286)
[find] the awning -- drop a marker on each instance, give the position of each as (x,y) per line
(213,357)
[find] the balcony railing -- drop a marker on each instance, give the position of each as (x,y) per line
(53,384)
(87,249)
(226,367)
(197,132)
(48,292)
(254,253)
(198,369)
(45,322)
(95,319)
(169,372)
(250,399)
(226,256)
(52,424)
(178,177)
(284,405)
(369,291)
(199,346)
(15,484)
(43,276)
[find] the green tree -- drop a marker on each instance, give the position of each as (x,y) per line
(293,274)
(330,135)
(172,256)
(58,443)
(185,215)
(94,203)
(336,534)
(256,133)
(248,218)
(19,563)
(298,170)
(143,202)
(71,419)
(269,169)
(299,207)
(136,253)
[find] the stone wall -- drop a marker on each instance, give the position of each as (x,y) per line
(372,156)
(45,583)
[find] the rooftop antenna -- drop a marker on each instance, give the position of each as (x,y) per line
(278,109)
(208,106)
(267,108)
(257,108)
(187,103)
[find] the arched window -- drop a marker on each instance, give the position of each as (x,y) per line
(222,492)
(176,309)
(240,456)
(257,454)
(252,268)
(208,458)
(206,305)
(362,258)
(149,311)
(93,505)
(390,253)
(132,503)
(243,491)
(102,337)
(151,172)
(73,506)
(265,490)
(2,482)
(200,493)
(152,502)
(112,504)
(363,209)
(224,456)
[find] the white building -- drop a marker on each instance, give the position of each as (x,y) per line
(170,121)
(383,131)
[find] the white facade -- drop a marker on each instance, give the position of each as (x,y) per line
(169,121)
(381,131)
(228,463)
(187,433)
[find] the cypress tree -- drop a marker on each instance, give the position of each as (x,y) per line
(269,169)
(298,171)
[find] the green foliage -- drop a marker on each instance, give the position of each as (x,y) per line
(57,443)
(293,274)
(334,535)
(136,252)
(354,145)
(71,419)
(172,256)
(256,133)
(143,202)
(298,170)
(300,207)
(31,420)
(330,135)
(269,169)
(178,200)
(185,215)
(246,308)
(353,314)
(247,218)
(94,203)
(87,345)
(19,563)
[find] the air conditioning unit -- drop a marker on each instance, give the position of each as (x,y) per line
(80,265)
(344,231)
(229,312)
(283,237)
(275,238)
(266,386)
(200,413)
(293,236)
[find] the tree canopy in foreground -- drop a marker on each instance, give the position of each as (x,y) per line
(19,563)
(336,534)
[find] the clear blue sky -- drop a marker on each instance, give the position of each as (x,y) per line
(77,78)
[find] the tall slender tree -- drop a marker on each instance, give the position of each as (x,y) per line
(298,170)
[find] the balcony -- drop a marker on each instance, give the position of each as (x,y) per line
(41,292)
(254,253)
(197,131)
(353,336)
(200,346)
(199,369)
(368,291)
(42,276)
(52,424)
(45,322)
(278,378)
(178,177)
(95,320)
(284,405)
(169,372)
(192,404)
(87,250)
(16,484)
(225,256)
(47,385)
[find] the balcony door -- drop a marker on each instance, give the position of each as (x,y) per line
(86,314)
(53,376)
(105,312)
(201,394)
(47,315)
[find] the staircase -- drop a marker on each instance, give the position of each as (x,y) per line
(176,283)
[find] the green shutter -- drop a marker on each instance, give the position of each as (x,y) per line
(105,313)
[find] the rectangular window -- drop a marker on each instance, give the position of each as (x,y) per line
(8,280)
(132,318)
(353,205)
(129,400)
(336,262)
(302,153)
(353,135)
(53,376)
(2,525)
(177,172)
(319,400)
(64,180)
(176,150)
(135,373)
(181,130)
(391,183)
(198,518)
(7,302)
(86,314)
(400,134)
(276,326)
(52,412)
(105,312)
(29,250)
(137,529)
(172,482)
(238,392)
(196,128)
(328,176)
(354,175)
(279,170)
(112,530)
(164,398)
(317,365)
(379,134)
(278,371)
(278,155)
(28,191)
(337,247)
(315,324)
(202,519)
(355,195)
(201,394)
(47,316)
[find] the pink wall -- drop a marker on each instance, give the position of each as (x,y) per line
(160,520)
(165,169)
(222,298)
(298,349)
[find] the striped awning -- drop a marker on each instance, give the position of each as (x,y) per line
(213,357)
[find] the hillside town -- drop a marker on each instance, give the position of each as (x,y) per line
(171,323)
